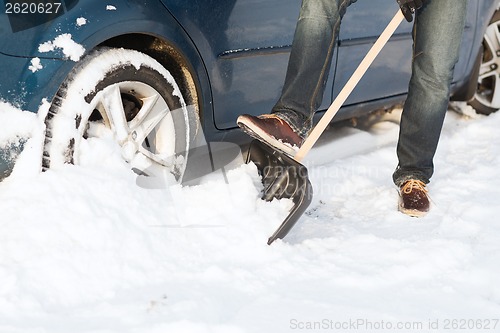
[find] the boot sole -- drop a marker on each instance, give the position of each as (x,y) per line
(256,133)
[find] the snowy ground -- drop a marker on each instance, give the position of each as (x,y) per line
(84,249)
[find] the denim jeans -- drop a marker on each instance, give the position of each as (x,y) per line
(437,34)
(310,59)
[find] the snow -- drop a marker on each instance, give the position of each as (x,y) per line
(69,47)
(81,21)
(14,123)
(35,65)
(85,249)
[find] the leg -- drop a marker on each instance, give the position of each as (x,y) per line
(309,62)
(437,34)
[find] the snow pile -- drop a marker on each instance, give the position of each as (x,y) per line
(14,123)
(64,42)
(16,127)
(84,249)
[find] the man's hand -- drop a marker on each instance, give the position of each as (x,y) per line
(408,7)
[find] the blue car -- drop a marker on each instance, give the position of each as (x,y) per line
(160,73)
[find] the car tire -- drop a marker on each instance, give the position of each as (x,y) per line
(135,97)
(486,99)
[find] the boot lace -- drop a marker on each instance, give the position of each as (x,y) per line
(413,184)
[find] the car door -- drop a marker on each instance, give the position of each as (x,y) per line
(245,46)
(390,73)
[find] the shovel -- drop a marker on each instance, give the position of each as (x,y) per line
(286,177)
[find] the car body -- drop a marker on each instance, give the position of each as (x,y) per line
(229,55)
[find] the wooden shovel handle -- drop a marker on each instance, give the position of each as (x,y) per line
(349,86)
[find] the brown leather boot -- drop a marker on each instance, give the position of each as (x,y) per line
(271,130)
(413,198)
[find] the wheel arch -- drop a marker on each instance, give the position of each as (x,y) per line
(154,32)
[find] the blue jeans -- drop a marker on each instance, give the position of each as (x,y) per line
(437,33)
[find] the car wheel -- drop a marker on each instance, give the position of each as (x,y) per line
(132,95)
(487,97)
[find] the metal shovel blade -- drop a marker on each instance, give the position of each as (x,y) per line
(282,177)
